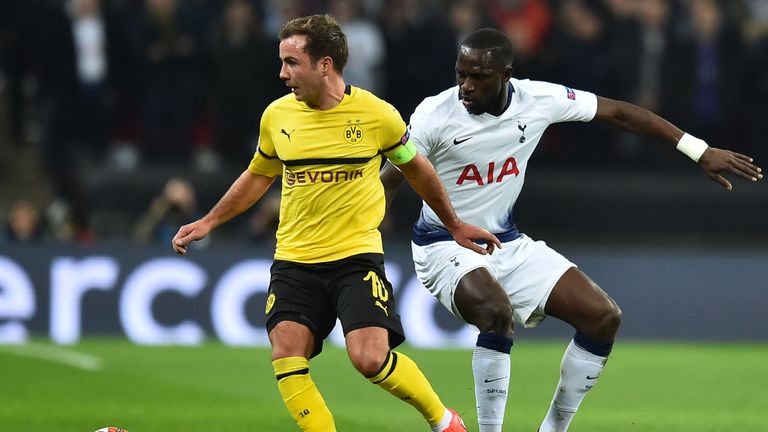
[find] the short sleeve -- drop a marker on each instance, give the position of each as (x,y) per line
(421,129)
(265,160)
(565,104)
(393,136)
(392,129)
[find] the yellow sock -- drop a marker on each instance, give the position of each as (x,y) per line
(301,396)
(402,378)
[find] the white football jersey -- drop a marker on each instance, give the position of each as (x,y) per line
(482,159)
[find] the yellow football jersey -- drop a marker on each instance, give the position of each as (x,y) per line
(332,199)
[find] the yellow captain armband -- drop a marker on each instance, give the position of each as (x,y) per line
(402,153)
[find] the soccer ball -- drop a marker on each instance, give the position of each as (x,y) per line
(111,429)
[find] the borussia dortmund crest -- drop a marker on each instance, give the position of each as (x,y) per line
(270,302)
(353,132)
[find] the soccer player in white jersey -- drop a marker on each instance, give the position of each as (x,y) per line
(479,136)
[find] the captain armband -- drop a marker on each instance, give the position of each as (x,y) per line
(402,154)
(692,146)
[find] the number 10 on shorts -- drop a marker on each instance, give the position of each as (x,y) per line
(378,290)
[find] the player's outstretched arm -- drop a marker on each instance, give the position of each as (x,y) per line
(243,193)
(713,161)
(422,177)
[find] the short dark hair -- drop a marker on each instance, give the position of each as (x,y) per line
(493,40)
(324,38)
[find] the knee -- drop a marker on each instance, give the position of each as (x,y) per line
(290,339)
(609,320)
(368,362)
(496,318)
(613,318)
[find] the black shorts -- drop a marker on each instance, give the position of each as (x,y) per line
(354,289)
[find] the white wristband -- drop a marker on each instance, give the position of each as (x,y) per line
(692,146)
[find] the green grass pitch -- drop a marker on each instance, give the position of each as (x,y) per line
(646,387)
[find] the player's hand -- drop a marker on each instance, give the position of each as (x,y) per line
(466,235)
(716,162)
(197,230)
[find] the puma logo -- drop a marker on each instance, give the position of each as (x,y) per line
(384,308)
(288,134)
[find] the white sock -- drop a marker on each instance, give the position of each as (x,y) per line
(578,373)
(444,422)
(491,370)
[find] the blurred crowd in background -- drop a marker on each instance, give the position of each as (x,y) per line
(121,85)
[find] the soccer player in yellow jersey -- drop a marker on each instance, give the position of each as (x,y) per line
(325,139)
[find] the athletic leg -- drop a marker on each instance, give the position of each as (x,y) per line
(369,352)
(292,346)
(482,302)
(577,300)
